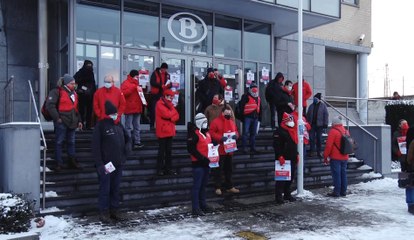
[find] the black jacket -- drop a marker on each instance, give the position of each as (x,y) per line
(206,90)
(86,81)
(192,140)
(110,143)
(284,145)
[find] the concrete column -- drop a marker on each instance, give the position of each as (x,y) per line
(43,64)
(363,86)
(20,159)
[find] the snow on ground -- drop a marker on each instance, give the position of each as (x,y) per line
(373,210)
(49,194)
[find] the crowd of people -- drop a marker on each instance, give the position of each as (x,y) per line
(212,138)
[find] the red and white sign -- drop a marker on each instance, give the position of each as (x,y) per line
(402,144)
(283,172)
(230,144)
(228,93)
(213,155)
(141,95)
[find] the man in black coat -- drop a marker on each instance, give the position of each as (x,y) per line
(85,79)
(206,90)
(110,146)
(272,93)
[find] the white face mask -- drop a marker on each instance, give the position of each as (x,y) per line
(289,88)
(114,116)
(204,125)
(108,85)
(290,124)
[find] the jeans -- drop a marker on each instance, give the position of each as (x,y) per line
(340,181)
(62,132)
(164,153)
(225,168)
(315,136)
(198,192)
(133,125)
(409,196)
(109,189)
(249,127)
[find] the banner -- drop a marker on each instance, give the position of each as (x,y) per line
(283,173)
(230,144)
(228,93)
(402,144)
(213,155)
(141,95)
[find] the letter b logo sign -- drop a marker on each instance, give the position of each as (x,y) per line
(188,32)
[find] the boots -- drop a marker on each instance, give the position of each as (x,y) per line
(116,215)
(72,163)
(411,208)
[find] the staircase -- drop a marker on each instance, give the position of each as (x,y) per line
(141,188)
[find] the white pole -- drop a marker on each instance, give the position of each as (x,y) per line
(300,103)
(43,64)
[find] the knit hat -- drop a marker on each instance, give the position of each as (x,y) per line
(209,70)
(133,73)
(287,117)
(110,108)
(169,92)
(318,95)
(200,121)
(164,65)
(67,79)
(337,120)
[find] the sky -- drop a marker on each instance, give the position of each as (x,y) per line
(392,39)
(380,201)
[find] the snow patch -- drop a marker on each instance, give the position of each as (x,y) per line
(50,210)
(47,169)
(371,175)
(160,210)
(49,194)
(353,159)
(364,167)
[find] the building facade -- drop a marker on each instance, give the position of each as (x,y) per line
(247,41)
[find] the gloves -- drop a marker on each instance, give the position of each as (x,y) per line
(223,139)
(234,137)
(282,160)
(205,162)
(101,170)
(325,161)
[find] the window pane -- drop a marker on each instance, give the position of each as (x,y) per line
(227,37)
(294,4)
(98,24)
(182,29)
(265,73)
(327,7)
(257,41)
(144,34)
(109,64)
(86,52)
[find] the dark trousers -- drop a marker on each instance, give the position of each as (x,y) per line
(198,192)
(249,128)
(62,133)
(225,169)
(164,153)
(154,100)
(272,115)
(315,136)
(283,187)
(85,109)
(340,181)
(109,190)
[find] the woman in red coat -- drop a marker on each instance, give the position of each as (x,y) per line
(337,160)
(218,128)
(166,117)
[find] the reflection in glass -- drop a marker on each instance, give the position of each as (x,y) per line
(229,73)
(257,41)
(227,37)
(86,52)
(97,24)
(141,24)
(109,64)
(250,74)
(265,75)
(198,73)
(169,43)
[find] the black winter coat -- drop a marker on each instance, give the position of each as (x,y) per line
(110,143)
(206,90)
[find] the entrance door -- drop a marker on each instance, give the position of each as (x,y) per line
(185,72)
(231,71)
(141,60)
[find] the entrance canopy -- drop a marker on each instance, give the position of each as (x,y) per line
(283,17)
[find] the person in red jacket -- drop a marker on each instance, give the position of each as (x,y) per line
(337,160)
(306,94)
(160,81)
(221,129)
(222,80)
(133,108)
(198,142)
(166,117)
(111,93)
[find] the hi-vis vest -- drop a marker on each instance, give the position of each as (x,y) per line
(252,106)
(202,144)
(65,102)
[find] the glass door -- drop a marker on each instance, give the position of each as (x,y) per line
(185,72)
(145,62)
(230,70)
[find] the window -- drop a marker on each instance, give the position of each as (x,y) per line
(257,41)
(352,2)
(227,36)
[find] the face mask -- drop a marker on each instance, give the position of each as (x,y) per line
(114,116)
(211,75)
(290,124)
(216,101)
(405,126)
(204,125)
(227,117)
(108,85)
(289,88)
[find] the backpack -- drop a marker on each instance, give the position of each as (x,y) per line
(347,144)
(45,112)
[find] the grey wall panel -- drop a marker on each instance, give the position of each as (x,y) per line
(340,74)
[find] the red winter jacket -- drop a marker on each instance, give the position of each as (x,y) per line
(132,99)
(165,119)
(112,94)
(218,127)
(307,92)
(333,143)
(158,81)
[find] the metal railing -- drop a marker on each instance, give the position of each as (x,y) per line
(43,148)
(8,100)
(360,127)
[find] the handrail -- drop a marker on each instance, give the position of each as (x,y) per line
(8,82)
(44,145)
(366,99)
(9,99)
(359,126)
